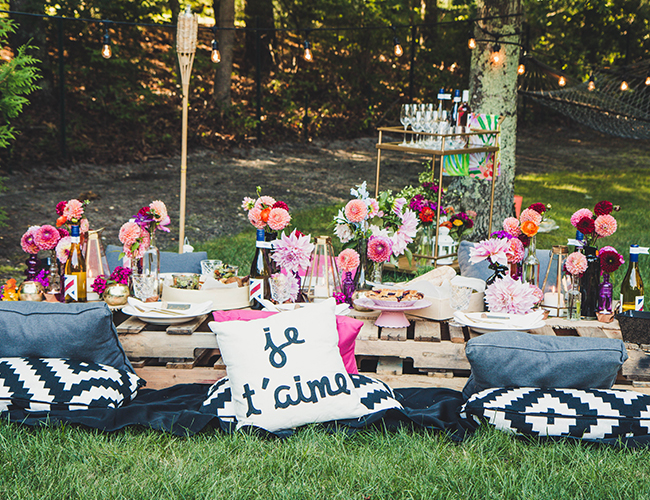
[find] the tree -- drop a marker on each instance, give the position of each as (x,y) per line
(259,14)
(17,80)
(493,90)
(224,18)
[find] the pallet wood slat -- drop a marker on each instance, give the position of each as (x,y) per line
(186,328)
(427,331)
(390,334)
(131,326)
(456,334)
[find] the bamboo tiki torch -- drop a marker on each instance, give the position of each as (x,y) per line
(186,36)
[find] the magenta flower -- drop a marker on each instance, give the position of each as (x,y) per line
(580,214)
(510,296)
(46,237)
(494,249)
(28,241)
(292,252)
(379,248)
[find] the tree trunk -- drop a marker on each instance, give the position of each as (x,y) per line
(223,70)
(175,7)
(493,90)
(259,13)
(430,33)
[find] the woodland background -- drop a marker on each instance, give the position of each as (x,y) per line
(127,108)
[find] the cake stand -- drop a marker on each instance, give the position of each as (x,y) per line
(391,316)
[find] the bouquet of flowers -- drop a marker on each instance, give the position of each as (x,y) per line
(120,275)
(597,224)
(266,213)
(72,212)
(459,222)
(423,199)
(292,253)
(528,223)
(137,233)
(38,238)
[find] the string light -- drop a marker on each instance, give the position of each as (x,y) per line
(471,41)
(398,50)
(495,57)
(521,69)
(215,55)
(624,86)
(309,57)
(107,52)
(561,81)
(647,78)
(591,84)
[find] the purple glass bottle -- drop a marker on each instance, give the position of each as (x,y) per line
(605,293)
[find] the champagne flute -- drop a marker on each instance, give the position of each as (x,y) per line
(405,119)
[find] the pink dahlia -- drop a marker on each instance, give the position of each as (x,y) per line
(73,210)
(515,252)
(264,202)
(579,214)
(511,226)
(293,252)
(28,241)
(159,210)
(255,218)
(356,210)
(373,207)
(605,225)
(129,233)
(495,249)
(576,263)
(84,226)
(46,237)
(510,296)
(142,246)
(279,218)
(348,260)
(379,248)
(531,215)
(63,249)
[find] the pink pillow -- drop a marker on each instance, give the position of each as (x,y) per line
(348,329)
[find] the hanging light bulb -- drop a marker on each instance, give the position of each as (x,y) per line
(521,69)
(591,84)
(561,81)
(398,48)
(647,78)
(624,86)
(215,56)
(107,52)
(471,41)
(308,55)
(495,57)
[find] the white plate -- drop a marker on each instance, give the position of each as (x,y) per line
(500,321)
(190,311)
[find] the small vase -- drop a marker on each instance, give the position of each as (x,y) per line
(605,294)
(116,294)
(32,267)
(376,269)
(426,239)
(362,273)
(531,264)
(54,275)
(574,299)
(589,284)
(146,273)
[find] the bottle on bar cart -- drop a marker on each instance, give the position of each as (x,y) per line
(74,278)
(632,285)
(260,272)
(464,110)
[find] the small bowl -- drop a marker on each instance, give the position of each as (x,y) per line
(186,281)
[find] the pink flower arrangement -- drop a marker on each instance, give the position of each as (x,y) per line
(265,212)
(379,248)
(28,241)
(576,264)
(597,224)
(348,260)
(38,238)
(293,252)
(120,275)
(493,249)
(511,296)
(70,212)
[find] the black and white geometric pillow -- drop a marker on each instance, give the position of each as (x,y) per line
(375,395)
(592,414)
(45,384)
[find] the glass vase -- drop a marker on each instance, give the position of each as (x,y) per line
(33,265)
(375,271)
(589,284)
(530,268)
(605,294)
(348,287)
(54,274)
(362,275)
(574,300)
(425,241)
(148,271)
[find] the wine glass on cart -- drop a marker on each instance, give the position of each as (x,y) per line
(405,119)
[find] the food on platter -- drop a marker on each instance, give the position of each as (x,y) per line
(397,298)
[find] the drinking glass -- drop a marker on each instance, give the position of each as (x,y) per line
(405,119)
(459,300)
(417,125)
(145,287)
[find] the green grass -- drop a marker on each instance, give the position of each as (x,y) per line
(75,463)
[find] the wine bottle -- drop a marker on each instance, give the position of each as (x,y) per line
(455,108)
(632,285)
(74,277)
(464,110)
(260,272)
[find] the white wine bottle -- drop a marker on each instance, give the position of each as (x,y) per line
(632,285)
(260,272)
(74,279)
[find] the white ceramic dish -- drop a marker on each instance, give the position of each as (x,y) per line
(482,322)
(188,312)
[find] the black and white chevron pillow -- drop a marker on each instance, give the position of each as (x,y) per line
(592,414)
(45,384)
(375,395)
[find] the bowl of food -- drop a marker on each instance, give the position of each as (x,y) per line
(386,297)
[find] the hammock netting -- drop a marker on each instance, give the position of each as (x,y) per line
(606,108)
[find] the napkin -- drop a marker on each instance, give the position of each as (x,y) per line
(504,320)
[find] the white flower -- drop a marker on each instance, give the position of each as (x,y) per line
(344,232)
(379,231)
(361,193)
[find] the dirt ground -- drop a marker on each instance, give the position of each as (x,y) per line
(303,175)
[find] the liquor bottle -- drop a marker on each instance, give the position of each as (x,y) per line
(632,285)
(455,108)
(441,98)
(74,277)
(464,110)
(260,272)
